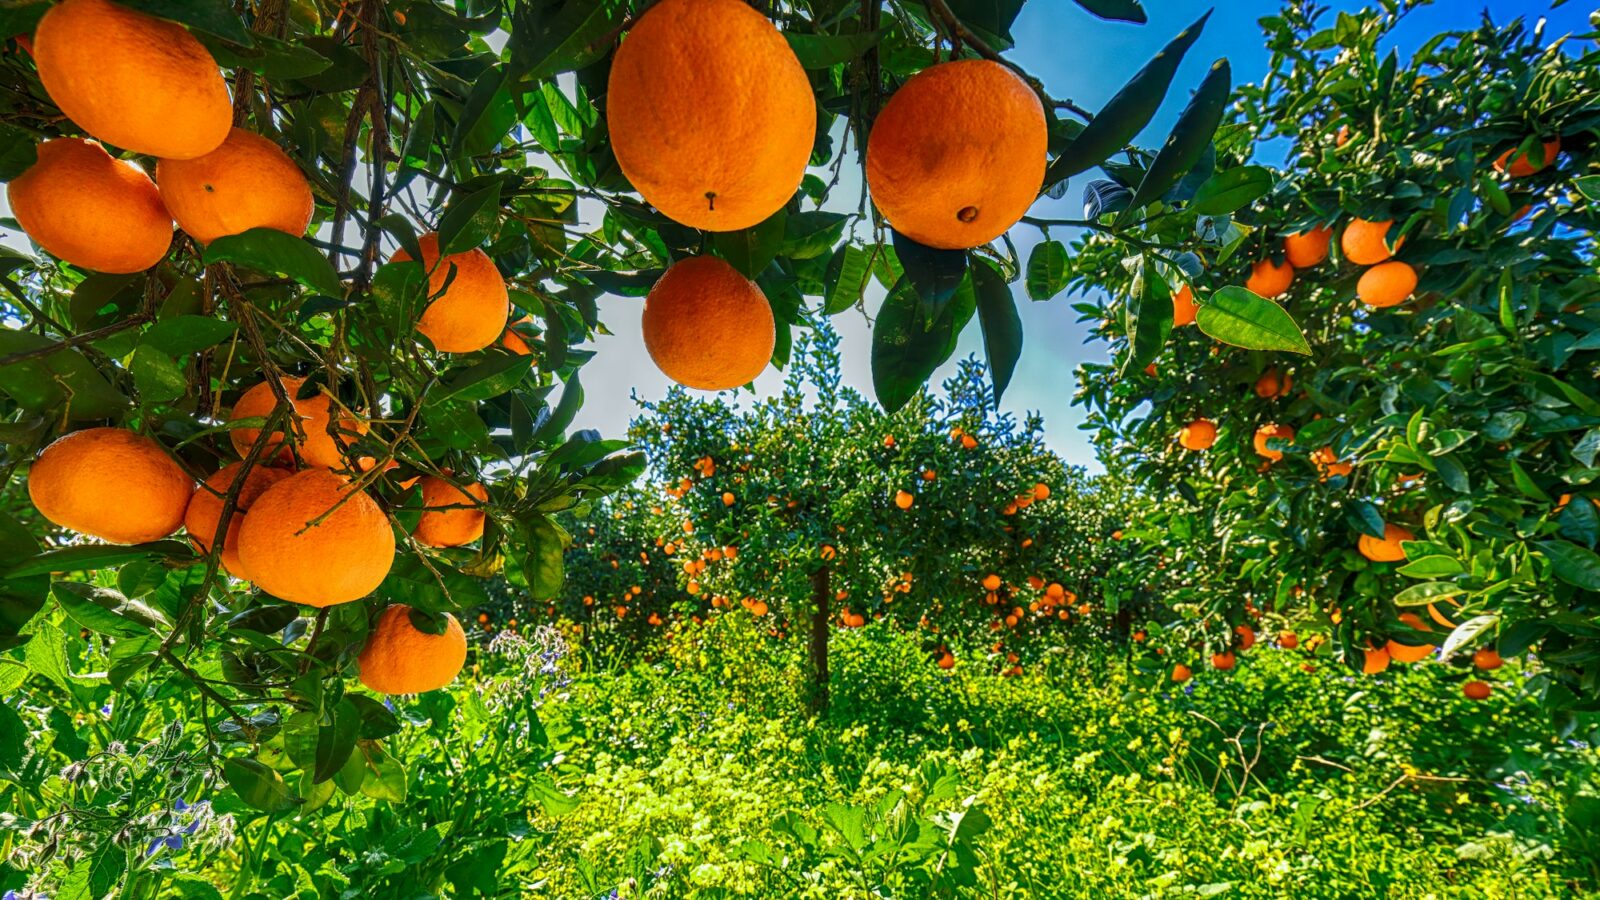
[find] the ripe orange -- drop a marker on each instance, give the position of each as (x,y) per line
(1365,242)
(90,210)
(1198,435)
(1408,653)
(1475,690)
(991,582)
(758,608)
(1180,673)
(1041,491)
(443,527)
(205,509)
(947,661)
(1269,280)
(1523,165)
(1307,248)
(711,116)
(248,182)
(513,341)
(318,447)
(400,658)
(727,498)
(1247,636)
(1329,464)
(707,326)
(110,483)
(1183,309)
(1388,549)
(132,80)
(929,475)
(1222,661)
(469,304)
(1288,640)
(342,558)
(1271,384)
(1387,284)
(1487,659)
(1268,432)
(1375,660)
(957,155)
(904,499)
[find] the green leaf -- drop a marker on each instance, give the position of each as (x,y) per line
(158,377)
(470,220)
(1573,564)
(46,655)
(1427,592)
(1588,186)
(1047,270)
(823,51)
(488,116)
(1002,326)
(1467,633)
(906,348)
(63,376)
(215,17)
(106,611)
(1118,10)
(1226,192)
(1115,126)
(846,280)
(18,152)
(21,598)
(96,556)
(490,378)
(1432,567)
(269,250)
(932,274)
(1147,316)
(336,740)
(561,35)
(544,565)
(751,250)
(1365,517)
(1189,139)
(386,776)
(182,335)
(1237,316)
(258,786)
(550,429)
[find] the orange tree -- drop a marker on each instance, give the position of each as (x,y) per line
(1415,475)
(814,509)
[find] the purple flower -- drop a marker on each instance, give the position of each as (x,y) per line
(172,842)
(106,710)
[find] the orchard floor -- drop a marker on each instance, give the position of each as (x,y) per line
(697,774)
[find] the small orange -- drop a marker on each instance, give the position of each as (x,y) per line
(468,305)
(1523,165)
(1268,432)
(1387,284)
(1247,636)
(1375,660)
(110,483)
(1487,659)
(1271,384)
(1475,690)
(342,558)
(1041,491)
(1365,242)
(1222,661)
(1288,640)
(1388,549)
(1408,653)
(991,582)
(441,526)
(1183,309)
(513,341)
(957,155)
(1307,248)
(400,658)
(1268,279)
(90,210)
(1180,673)
(248,182)
(727,498)
(205,509)
(1198,435)
(947,661)
(318,448)
(707,326)
(904,499)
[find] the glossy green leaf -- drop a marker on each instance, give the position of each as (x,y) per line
(269,250)
(1189,140)
(1226,192)
(1002,326)
(1239,317)
(1047,270)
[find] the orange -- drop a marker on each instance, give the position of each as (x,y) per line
(1269,280)
(1307,248)
(1183,309)
(1180,673)
(1375,660)
(1268,432)
(205,509)
(1387,284)
(1288,640)
(110,483)
(1408,653)
(1475,690)
(1365,242)
(1198,435)
(513,341)
(1222,661)
(1041,491)
(248,182)
(1271,384)
(957,155)
(727,498)
(1329,464)
(991,582)
(1247,636)
(90,210)
(1437,616)
(711,116)
(318,448)
(904,499)
(343,557)
(441,526)
(400,658)
(1388,549)
(132,80)
(707,326)
(947,661)
(1487,659)
(469,304)
(1523,165)
(758,608)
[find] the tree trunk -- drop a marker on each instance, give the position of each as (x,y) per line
(821,595)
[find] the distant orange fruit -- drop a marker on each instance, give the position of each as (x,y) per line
(707,326)
(1247,636)
(1288,640)
(1487,659)
(1222,661)
(1387,284)
(929,475)
(1329,464)
(1523,165)
(957,155)
(205,509)
(110,483)
(342,558)
(1181,673)
(1408,653)
(1388,549)
(91,210)
(991,582)
(1307,248)
(132,80)
(1364,242)
(947,661)
(400,658)
(1183,309)
(248,182)
(1041,491)
(711,116)
(1271,384)
(1268,432)
(1475,690)
(1374,661)
(318,448)
(904,499)
(1269,279)
(727,498)
(1198,435)
(442,526)
(468,304)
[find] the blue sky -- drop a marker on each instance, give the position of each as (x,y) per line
(1086,60)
